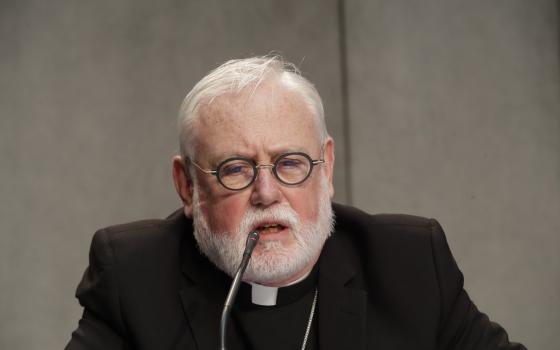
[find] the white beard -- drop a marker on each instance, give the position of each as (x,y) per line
(271,261)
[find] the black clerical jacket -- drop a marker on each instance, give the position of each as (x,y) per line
(385,282)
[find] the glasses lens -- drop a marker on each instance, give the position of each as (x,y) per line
(293,168)
(236,174)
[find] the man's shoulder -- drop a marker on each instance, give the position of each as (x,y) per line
(142,237)
(381,246)
(357,221)
(390,236)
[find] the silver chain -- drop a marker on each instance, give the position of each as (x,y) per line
(308,330)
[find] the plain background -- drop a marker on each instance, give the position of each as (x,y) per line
(442,108)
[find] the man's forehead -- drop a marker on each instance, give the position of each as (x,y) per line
(263,107)
(271,118)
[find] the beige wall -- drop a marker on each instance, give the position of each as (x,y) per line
(453,111)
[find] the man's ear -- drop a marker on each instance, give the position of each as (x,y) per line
(183,183)
(329,163)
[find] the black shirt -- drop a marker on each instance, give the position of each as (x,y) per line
(282,326)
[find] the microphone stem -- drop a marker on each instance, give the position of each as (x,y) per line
(230,299)
(251,243)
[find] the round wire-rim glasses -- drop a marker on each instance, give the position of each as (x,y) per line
(238,173)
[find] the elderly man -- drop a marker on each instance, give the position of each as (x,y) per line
(256,156)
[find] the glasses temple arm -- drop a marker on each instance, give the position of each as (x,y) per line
(206,171)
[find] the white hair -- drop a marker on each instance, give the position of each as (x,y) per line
(236,75)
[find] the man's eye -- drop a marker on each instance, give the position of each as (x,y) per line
(290,163)
(235,169)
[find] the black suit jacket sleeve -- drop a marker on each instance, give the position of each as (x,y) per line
(462,326)
(101,325)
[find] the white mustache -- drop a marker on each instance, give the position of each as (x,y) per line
(283,215)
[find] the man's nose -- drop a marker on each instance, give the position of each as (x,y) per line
(266,189)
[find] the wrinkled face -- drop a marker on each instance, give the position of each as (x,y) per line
(294,221)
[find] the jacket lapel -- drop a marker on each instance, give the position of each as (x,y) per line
(202,295)
(342,309)
(201,312)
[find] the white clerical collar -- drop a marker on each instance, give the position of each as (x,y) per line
(266,296)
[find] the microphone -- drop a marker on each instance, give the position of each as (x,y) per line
(252,240)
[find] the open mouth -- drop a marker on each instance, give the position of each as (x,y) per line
(270,228)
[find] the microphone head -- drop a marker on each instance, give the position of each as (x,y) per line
(252,240)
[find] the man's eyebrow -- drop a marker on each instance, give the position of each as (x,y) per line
(215,160)
(287,149)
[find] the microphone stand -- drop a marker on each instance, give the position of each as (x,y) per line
(252,240)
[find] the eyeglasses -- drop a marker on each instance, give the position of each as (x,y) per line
(238,173)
